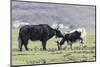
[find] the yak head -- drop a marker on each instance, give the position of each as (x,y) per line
(58,32)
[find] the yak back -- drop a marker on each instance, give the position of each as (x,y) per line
(74,36)
(36,32)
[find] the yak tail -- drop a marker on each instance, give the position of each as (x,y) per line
(19,41)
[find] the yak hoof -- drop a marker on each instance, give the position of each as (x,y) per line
(27,49)
(20,50)
(44,49)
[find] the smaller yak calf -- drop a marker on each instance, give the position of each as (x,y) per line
(73,36)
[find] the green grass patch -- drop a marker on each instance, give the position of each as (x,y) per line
(36,55)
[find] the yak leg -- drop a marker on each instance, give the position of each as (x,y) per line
(21,45)
(70,43)
(65,45)
(44,45)
(71,46)
(58,45)
(82,43)
(25,44)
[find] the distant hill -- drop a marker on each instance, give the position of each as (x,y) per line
(42,13)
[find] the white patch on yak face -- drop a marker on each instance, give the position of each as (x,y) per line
(64,46)
(59,39)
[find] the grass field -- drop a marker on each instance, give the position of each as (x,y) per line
(36,55)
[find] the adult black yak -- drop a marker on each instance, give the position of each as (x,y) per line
(73,36)
(42,32)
